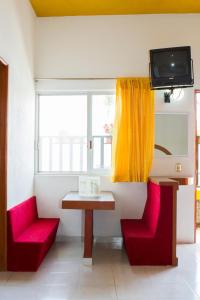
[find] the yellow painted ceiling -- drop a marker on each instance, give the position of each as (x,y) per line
(47,8)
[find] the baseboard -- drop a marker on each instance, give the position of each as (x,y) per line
(64,238)
(97,239)
(103,239)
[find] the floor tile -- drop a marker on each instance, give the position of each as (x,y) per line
(4,276)
(90,292)
(96,275)
(17,292)
(56,292)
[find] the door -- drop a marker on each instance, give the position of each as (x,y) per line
(3,162)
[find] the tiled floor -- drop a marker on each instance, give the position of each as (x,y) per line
(63,276)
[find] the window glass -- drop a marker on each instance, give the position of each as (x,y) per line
(102,129)
(63,133)
(102,114)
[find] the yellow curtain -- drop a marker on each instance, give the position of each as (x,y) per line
(133,137)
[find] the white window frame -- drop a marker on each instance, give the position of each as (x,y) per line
(90,169)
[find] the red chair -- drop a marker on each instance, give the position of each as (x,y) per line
(29,237)
(152,239)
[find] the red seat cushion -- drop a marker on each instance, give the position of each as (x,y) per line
(21,216)
(152,207)
(135,228)
(39,231)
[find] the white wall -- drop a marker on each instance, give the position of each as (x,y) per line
(114,46)
(17,26)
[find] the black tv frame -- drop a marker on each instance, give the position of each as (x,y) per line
(159,85)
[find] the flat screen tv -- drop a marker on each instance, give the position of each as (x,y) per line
(171,67)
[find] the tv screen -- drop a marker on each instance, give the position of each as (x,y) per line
(171,67)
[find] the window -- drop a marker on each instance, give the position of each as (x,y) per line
(74,132)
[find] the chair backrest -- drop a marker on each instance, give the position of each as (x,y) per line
(20,217)
(152,206)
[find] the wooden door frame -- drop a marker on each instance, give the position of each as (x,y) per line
(3,162)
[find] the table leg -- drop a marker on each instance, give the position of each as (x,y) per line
(88,237)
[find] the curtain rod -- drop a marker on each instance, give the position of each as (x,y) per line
(78,78)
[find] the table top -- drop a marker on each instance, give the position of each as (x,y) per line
(172,179)
(105,201)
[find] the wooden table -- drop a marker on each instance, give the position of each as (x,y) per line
(105,201)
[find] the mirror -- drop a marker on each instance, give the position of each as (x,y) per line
(171,134)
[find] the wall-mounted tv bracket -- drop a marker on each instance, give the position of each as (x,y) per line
(167,95)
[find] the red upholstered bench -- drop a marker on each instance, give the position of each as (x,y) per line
(29,237)
(151,240)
